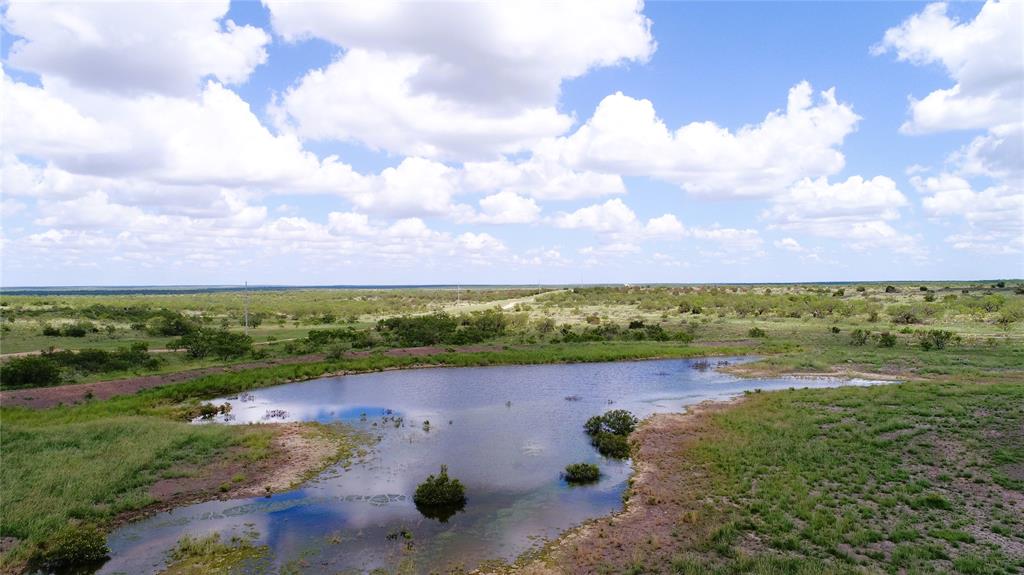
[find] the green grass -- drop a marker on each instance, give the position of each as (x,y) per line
(211,556)
(843,479)
(55,471)
(96,460)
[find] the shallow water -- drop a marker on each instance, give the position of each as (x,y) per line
(505,432)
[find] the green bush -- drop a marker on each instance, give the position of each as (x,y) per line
(78,329)
(582,473)
(615,422)
(756,332)
(611,445)
(216,342)
(28,371)
(439,490)
(937,339)
(859,337)
(75,545)
(886,339)
(168,323)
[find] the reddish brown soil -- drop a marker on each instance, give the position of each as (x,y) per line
(43,397)
(295,454)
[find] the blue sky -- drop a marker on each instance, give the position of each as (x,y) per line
(294,143)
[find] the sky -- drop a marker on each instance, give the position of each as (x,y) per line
(283,142)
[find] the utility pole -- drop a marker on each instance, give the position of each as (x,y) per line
(246,308)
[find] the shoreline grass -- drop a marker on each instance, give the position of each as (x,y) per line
(918,477)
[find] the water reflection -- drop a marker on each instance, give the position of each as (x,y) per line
(505,432)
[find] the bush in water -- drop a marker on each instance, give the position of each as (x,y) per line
(440,490)
(439,497)
(611,445)
(616,422)
(582,473)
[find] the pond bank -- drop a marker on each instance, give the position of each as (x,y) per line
(916,477)
(316,365)
(295,452)
(665,488)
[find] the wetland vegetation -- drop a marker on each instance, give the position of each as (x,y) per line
(922,476)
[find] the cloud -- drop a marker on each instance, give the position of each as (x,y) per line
(508,208)
(855,210)
(997,154)
(481,242)
(825,207)
(611,216)
(125,47)
(667,225)
(789,244)
(984,57)
(540,177)
(625,136)
(995,215)
(623,230)
(457,81)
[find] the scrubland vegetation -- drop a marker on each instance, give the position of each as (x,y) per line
(922,476)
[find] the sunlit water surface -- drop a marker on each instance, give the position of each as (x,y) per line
(505,432)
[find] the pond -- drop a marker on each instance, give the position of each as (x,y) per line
(506,432)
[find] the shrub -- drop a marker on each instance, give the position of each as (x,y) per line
(439,490)
(886,339)
(77,329)
(75,545)
(859,337)
(611,445)
(168,323)
(608,432)
(756,332)
(50,331)
(904,315)
(937,339)
(582,473)
(217,342)
(615,422)
(29,371)
(890,289)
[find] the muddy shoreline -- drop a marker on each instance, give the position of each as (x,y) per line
(653,503)
(300,451)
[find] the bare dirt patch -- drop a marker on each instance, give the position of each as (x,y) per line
(299,451)
(761,369)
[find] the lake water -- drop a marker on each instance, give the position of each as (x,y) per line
(505,432)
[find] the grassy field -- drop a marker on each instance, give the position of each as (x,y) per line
(904,478)
(923,477)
